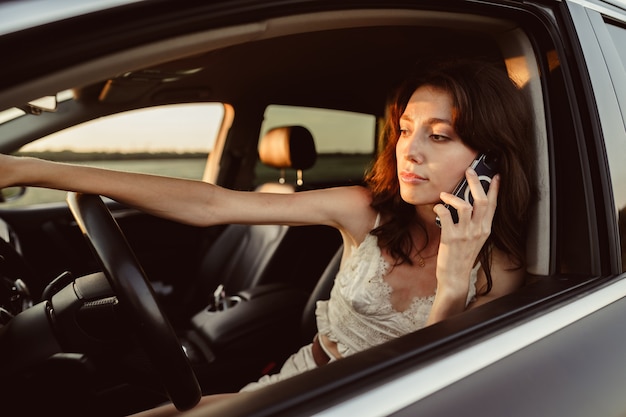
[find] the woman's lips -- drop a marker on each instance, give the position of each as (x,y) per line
(411,178)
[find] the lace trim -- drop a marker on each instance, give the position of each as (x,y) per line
(359,313)
(385,290)
(381,290)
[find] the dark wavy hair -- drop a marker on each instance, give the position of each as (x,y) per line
(491,114)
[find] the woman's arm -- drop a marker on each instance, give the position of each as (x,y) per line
(189,201)
(175,199)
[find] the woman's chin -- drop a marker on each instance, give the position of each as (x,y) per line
(417,201)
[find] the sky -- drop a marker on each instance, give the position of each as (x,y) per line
(193,127)
(172,128)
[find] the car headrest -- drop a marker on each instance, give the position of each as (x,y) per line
(288,147)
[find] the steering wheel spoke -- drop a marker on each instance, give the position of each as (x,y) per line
(136,297)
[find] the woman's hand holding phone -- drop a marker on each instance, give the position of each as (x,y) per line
(486,167)
(461,241)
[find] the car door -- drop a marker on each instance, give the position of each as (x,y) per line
(566,358)
(558,349)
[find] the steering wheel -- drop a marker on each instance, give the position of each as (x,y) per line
(154,331)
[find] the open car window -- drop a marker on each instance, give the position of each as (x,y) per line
(172,140)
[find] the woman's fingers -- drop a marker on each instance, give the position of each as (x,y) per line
(481,210)
(484,205)
(461,243)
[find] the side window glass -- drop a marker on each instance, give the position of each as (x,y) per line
(171,140)
(618,33)
(617,149)
(344,141)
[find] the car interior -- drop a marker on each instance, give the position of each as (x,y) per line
(244,295)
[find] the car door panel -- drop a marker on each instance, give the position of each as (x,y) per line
(576,371)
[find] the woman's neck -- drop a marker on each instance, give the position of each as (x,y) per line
(430,243)
(427,217)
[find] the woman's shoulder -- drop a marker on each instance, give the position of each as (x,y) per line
(345,198)
(347,208)
(353,212)
(358,192)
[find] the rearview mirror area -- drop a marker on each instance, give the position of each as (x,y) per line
(43,104)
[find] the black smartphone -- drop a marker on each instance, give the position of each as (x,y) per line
(486,167)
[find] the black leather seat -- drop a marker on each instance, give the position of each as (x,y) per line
(320,292)
(256,332)
(270,278)
(245,256)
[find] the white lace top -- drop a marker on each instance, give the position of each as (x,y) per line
(359,313)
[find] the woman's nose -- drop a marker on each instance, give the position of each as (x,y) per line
(413,151)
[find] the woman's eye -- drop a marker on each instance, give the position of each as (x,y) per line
(439,138)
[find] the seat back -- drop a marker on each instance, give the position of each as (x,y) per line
(320,292)
(240,255)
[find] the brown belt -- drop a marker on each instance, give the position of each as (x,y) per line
(319,355)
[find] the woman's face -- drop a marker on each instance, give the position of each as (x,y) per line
(431,156)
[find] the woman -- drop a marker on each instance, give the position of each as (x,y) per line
(401,269)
